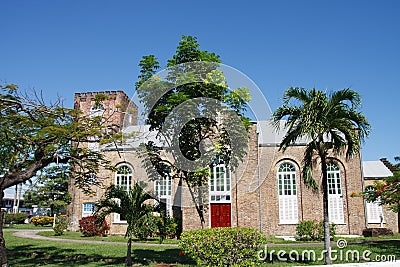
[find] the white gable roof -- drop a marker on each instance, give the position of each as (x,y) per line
(269,136)
(375,169)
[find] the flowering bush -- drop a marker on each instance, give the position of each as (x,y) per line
(222,246)
(42,220)
(88,227)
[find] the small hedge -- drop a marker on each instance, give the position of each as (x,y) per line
(313,231)
(223,246)
(15,218)
(61,225)
(42,220)
(88,227)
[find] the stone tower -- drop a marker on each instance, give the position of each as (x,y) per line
(119,111)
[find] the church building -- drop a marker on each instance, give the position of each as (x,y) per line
(266,191)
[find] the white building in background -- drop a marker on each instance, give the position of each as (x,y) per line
(376,215)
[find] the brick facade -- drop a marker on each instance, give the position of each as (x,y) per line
(254,192)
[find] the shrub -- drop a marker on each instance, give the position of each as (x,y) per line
(15,218)
(88,227)
(222,246)
(146,226)
(312,230)
(167,227)
(61,225)
(42,220)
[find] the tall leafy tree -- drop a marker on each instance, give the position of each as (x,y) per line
(50,190)
(192,74)
(130,204)
(331,123)
(34,135)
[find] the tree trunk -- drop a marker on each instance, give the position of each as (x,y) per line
(327,234)
(3,252)
(199,206)
(129,253)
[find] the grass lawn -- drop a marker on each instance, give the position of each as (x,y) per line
(78,235)
(29,252)
(51,253)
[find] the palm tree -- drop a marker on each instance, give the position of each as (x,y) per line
(331,124)
(129,204)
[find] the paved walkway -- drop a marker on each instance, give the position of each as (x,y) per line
(33,234)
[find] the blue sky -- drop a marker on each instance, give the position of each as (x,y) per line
(63,47)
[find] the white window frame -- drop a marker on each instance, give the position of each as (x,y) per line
(124,173)
(163,192)
(85,211)
(335,194)
(287,193)
(220,183)
(374,210)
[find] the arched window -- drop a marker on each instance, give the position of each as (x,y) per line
(220,182)
(335,194)
(287,191)
(374,209)
(123,178)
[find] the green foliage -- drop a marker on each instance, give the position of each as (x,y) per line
(328,121)
(167,227)
(61,225)
(222,246)
(146,226)
(50,190)
(34,135)
(15,218)
(42,220)
(314,231)
(130,204)
(332,123)
(192,74)
(92,226)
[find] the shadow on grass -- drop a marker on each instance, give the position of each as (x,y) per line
(28,255)
(168,256)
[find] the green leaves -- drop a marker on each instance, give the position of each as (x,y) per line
(331,123)
(34,135)
(223,246)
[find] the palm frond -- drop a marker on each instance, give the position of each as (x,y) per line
(341,96)
(297,93)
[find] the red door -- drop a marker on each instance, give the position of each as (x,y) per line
(220,215)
